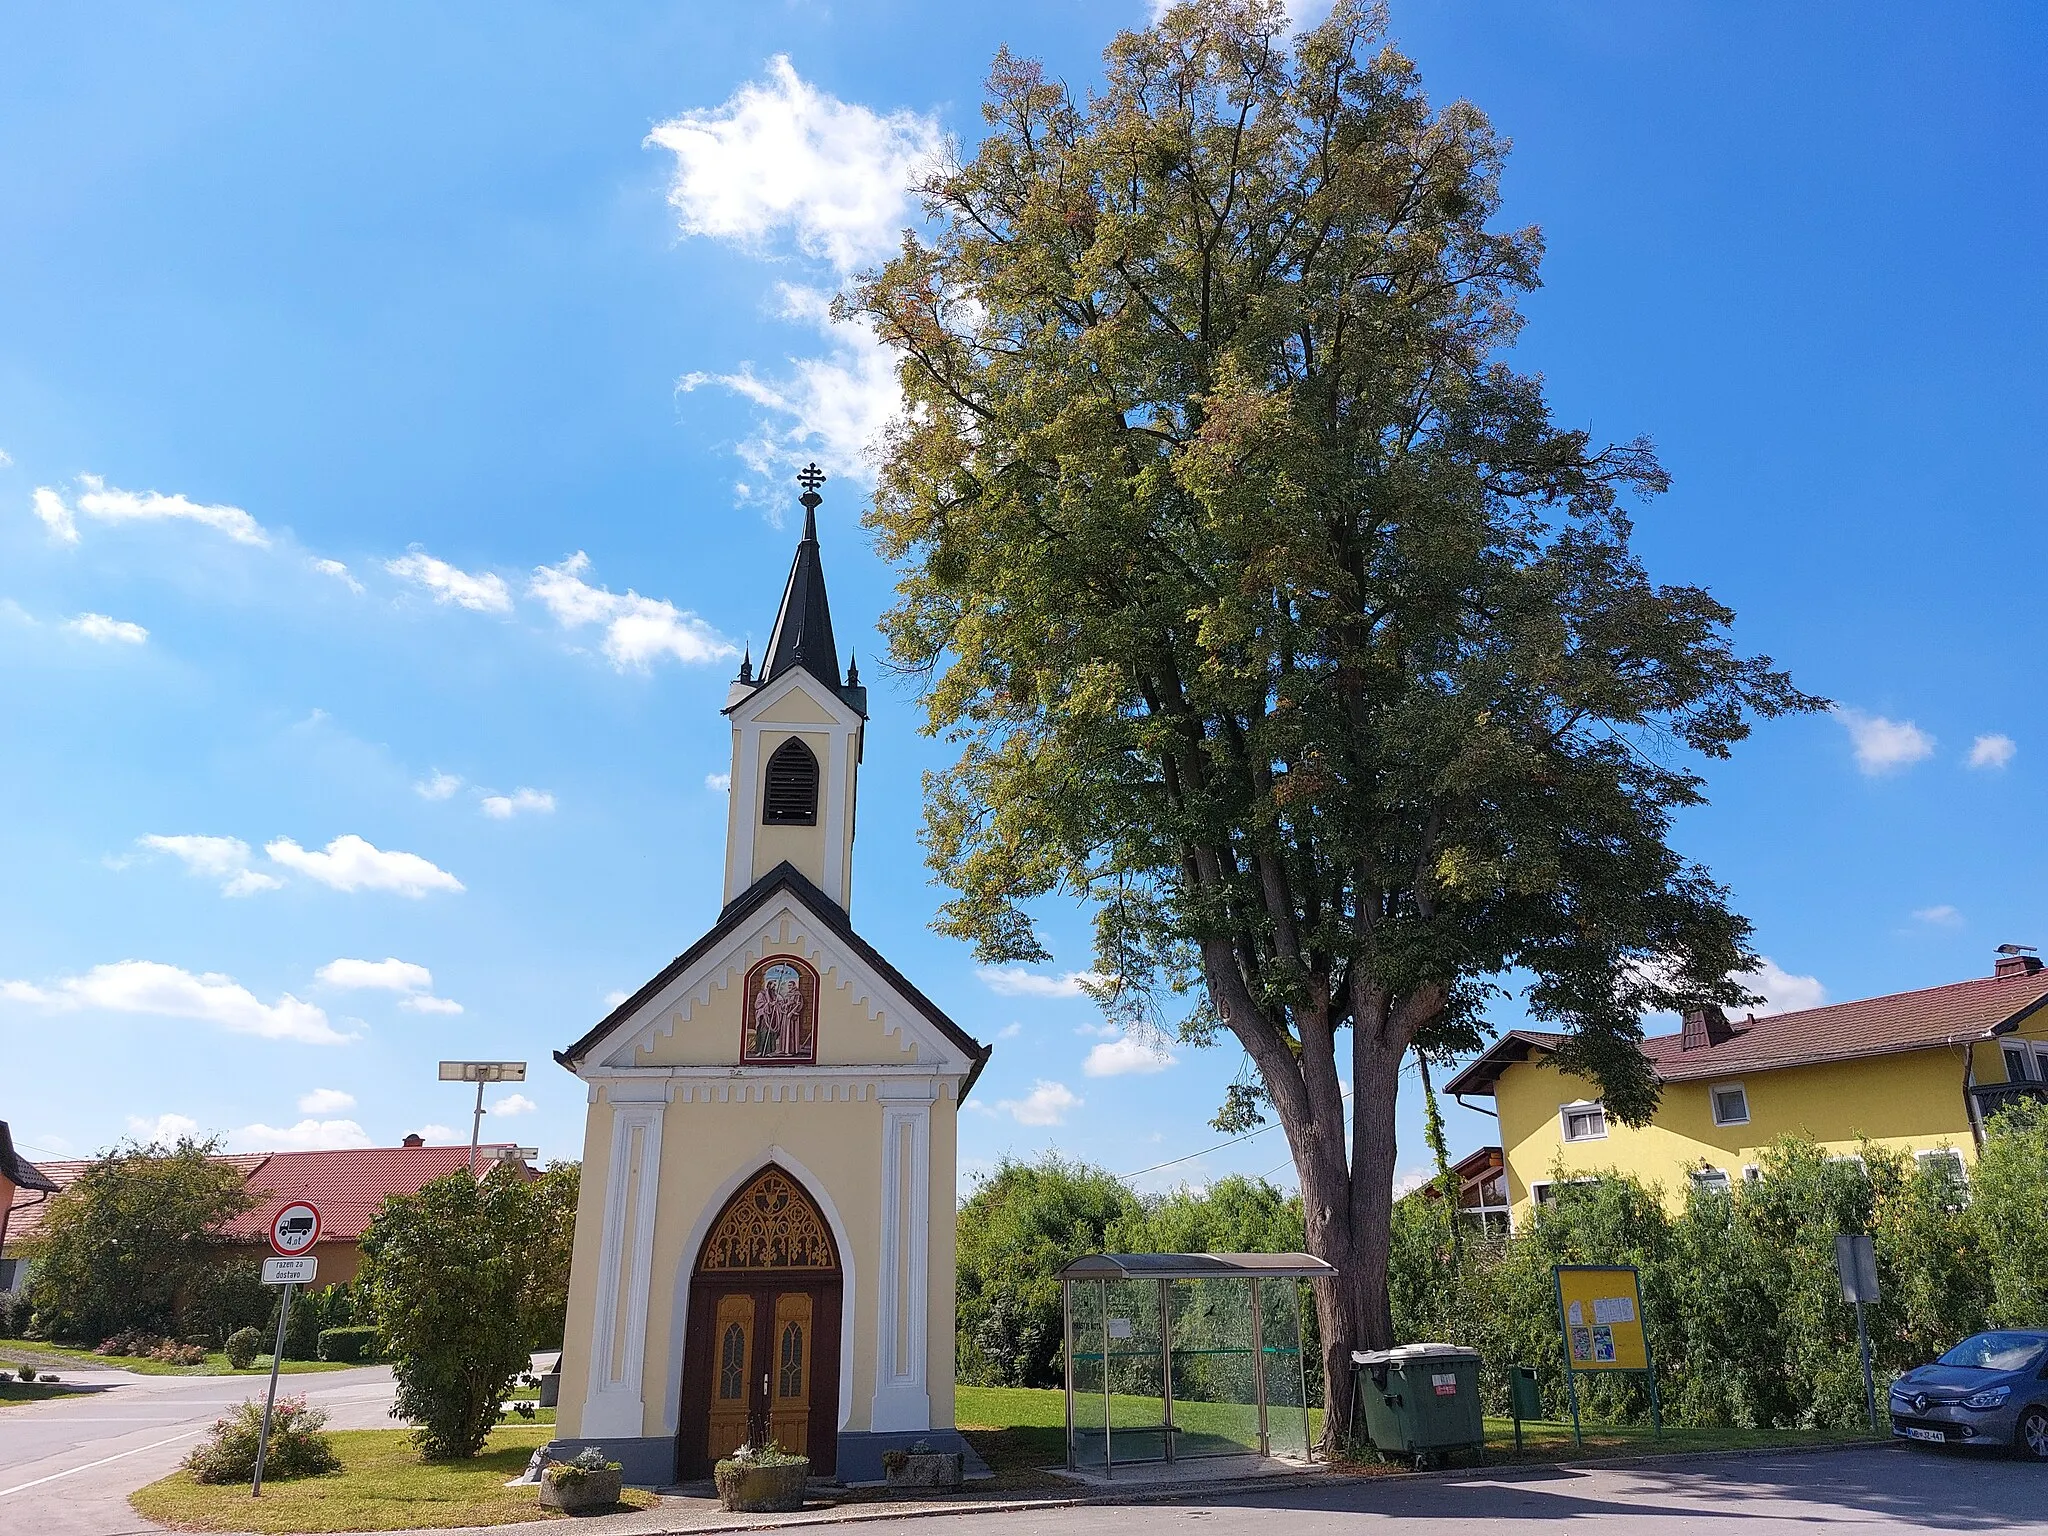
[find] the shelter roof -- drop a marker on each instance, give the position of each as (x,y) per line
(1959,1012)
(1195,1266)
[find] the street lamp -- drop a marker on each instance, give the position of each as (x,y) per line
(481,1072)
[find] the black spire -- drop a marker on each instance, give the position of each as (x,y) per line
(803,628)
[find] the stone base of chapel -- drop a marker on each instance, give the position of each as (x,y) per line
(650,1461)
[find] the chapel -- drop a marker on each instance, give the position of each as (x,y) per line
(764,1243)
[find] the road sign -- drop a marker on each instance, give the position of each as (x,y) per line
(295,1229)
(289,1271)
(1856,1263)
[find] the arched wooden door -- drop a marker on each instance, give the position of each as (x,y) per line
(761,1356)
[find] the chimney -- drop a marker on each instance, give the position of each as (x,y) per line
(1704,1026)
(2016,960)
(414,1139)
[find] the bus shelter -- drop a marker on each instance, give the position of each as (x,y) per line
(1174,1356)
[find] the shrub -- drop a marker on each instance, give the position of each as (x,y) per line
(348,1344)
(171,1352)
(298,1448)
(572,1474)
(443,1273)
(226,1296)
(243,1346)
(25,1372)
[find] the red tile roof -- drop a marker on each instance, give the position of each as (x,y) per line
(347,1186)
(1900,1021)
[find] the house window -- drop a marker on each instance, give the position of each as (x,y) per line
(790,798)
(2018,1064)
(1545,1193)
(1713,1181)
(1731,1104)
(2041,1060)
(1584,1122)
(1944,1159)
(9,1275)
(1752,1174)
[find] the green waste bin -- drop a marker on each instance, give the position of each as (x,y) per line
(1419,1400)
(1522,1388)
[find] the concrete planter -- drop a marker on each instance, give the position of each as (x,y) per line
(925,1469)
(765,1490)
(590,1490)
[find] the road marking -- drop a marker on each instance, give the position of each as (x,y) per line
(88,1466)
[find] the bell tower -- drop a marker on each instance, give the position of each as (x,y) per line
(796,738)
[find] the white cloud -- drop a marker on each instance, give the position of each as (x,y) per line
(165,991)
(780,156)
(1884,746)
(511,1104)
(438,785)
(1125,1056)
(637,630)
(439,1133)
(1943,916)
(351,864)
(306,1136)
(483,594)
(1046,1104)
(55,515)
(1782,991)
(829,408)
(615,997)
(97,626)
(107,504)
(1408,1180)
(340,573)
(505,807)
(387,975)
(425,1004)
(6,458)
(1010,1031)
(1015,981)
(414,983)
(164,1130)
(326,1101)
(225,859)
(1993,751)
(722,782)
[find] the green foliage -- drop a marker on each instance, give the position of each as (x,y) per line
(348,1344)
(1269,608)
(1740,1295)
(443,1272)
(544,1305)
(1023,1224)
(129,1237)
(242,1348)
(226,1296)
(298,1447)
(2009,1196)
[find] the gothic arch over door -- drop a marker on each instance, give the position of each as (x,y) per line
(761,1353)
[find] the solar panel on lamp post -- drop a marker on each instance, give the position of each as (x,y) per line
(481,1072)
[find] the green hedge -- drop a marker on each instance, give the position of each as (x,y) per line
(349,1344)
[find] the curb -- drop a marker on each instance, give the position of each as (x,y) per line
(855,1514)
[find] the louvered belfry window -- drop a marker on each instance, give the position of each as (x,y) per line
(791,796)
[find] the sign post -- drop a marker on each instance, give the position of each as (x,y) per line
(1600,1309)
(1856,1263)
(293,1232)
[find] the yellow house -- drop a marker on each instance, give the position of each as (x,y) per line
(1916,1071)
(764,1245)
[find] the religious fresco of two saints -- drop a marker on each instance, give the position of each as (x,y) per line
(782,1014)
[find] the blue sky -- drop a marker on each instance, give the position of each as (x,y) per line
(398,409)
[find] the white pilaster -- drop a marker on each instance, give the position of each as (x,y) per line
(902,1397)
(614,1405)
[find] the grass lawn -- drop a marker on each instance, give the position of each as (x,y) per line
(382,1486)
(13,1391)
(1021,1431)
(49,1357)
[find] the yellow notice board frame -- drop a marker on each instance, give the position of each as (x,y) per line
(1600,1323)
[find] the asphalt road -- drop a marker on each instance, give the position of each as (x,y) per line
(67,1465)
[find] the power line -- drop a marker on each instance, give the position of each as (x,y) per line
(1188,1157)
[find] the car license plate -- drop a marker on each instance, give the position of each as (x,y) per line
(1933,1435)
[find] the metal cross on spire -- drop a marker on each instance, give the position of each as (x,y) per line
(810,477)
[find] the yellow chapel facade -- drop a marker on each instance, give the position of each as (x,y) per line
(765,1239)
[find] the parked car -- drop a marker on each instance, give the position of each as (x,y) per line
(1990,1390)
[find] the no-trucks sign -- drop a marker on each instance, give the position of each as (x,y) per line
(295,1229)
